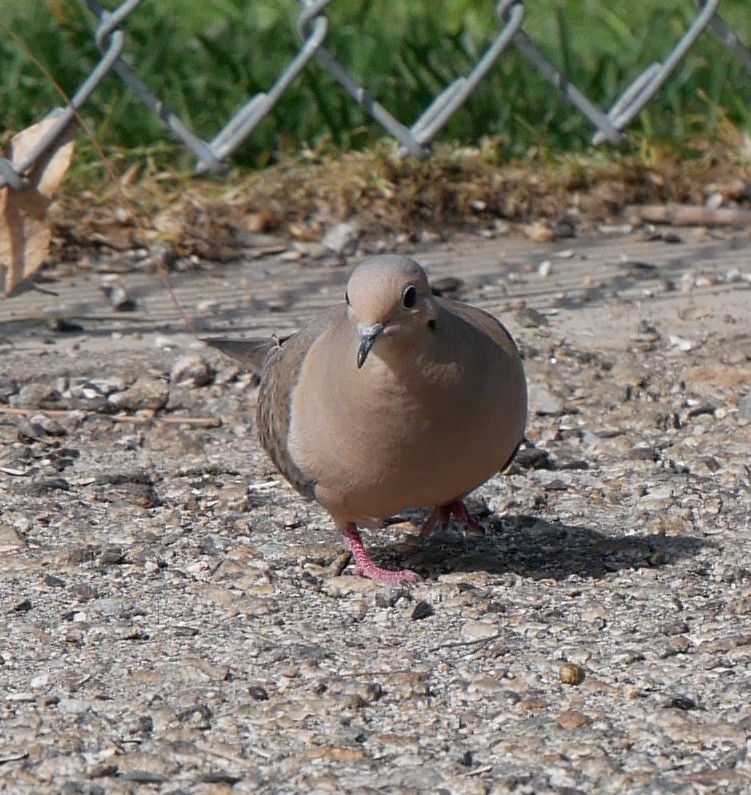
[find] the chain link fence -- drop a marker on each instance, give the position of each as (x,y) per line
(313,27)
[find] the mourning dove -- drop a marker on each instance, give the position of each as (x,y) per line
(394,399)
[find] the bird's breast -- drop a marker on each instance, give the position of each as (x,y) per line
(381,439)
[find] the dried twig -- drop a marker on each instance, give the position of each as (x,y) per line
(689,215)
(13,757)
(455,643)
(204,422)
(17,473)
(478,771)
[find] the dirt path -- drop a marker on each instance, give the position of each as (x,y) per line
(175,619)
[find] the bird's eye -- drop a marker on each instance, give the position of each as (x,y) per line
(409,297)
(346,297)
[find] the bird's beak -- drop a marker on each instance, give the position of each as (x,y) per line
(368,336)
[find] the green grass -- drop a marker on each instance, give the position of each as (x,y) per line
(205,59)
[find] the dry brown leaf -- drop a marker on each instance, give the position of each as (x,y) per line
(539,232)
(24,229)
(265,220)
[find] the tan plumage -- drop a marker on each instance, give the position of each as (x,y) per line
(396,399)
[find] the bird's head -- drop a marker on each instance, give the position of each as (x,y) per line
(390,302)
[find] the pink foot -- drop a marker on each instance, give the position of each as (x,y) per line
(364,566)
(440,519)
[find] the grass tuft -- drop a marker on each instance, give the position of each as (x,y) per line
(205,60)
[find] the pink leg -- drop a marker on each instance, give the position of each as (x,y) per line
(437,522)
(466,520)
(440,519)
(364,566)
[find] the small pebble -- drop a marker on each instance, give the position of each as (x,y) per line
(119,297)
(390,596)
(572,720)
(342,238)
(544,269)
(10,538)
(144,393)
(643,452)
(258,693)
(193,371)
(571,674)
(683,703)
(684,345)
(34,395)
(479,630)
(447,285)
(422,610)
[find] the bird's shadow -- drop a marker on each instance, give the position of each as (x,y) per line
(539,549)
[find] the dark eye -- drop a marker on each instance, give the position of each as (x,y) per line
(409,296)
(346,297)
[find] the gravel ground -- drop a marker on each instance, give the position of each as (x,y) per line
(178,620)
